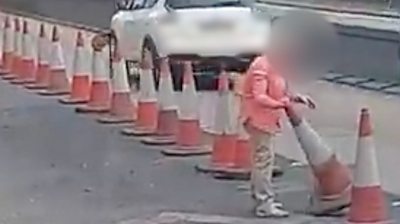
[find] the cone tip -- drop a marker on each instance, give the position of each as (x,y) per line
(365,128)
(55,36)
(79,40)
(147,62)
(25,27)
(17,25)
(42,32)
(7,22)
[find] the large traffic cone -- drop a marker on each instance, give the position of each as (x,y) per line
(225,137)
(368,202)
(122,108)
(42,73)
(167,110)
(147,113)
(58,81)
(189,132)
(80,86)
(8,47)
(28,66)
(15,63)
(332,178)
(100,95)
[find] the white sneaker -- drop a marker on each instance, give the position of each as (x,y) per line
(271,209)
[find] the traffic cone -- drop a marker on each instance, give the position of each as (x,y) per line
(189,132)
(42,73)
(15,63)
(332,178)
(80,86)
(58,82)
(28,67)
(100,96)
(167,122)
(122,107)
(225,137)
(2,48)
(147,113)
(368,202)
(8,48)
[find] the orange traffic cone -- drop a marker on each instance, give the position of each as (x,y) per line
(8,48)
(15,69)
(122,107)
(225,138)
(58,82)
(42,73)
(100,96)
(2,48)
(147,113)
(28,66)
(332,178)
(80,87)
(167,111)
(368,202)
(189,132)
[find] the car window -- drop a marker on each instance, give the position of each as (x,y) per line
(180,4)
(150,3)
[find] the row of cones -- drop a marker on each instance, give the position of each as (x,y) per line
(159,121)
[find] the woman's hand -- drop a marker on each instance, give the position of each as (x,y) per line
(303,99)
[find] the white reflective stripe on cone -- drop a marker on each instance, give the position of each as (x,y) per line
(366,172)
(166,95)
(28,48)
(207,110)
(100,69)
(18,44)
(2,37)
(81,63)
(9,40)
(147,91)
(188,103)
(315,149)
(225,118)
(120,80)
(44,51)
(57,61)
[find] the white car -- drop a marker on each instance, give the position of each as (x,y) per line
(206,30)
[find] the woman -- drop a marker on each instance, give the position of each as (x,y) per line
(265,96)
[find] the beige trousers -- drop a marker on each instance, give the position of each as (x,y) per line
(263,157)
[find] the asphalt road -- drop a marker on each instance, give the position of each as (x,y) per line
(363,52)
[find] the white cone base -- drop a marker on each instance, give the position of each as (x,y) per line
(70,101)
(159,140)
(92,109)
(110,119)
(183,151)
(53,92)
(336,207)
(137,132)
